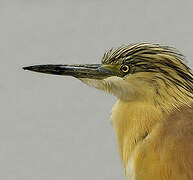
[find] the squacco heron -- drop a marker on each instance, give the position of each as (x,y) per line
(153,117)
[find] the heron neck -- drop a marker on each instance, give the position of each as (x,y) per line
(133,121)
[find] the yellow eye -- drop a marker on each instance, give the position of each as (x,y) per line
(124,68)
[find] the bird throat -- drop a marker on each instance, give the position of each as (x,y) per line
(133,122)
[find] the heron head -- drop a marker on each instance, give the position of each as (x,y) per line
(138,71)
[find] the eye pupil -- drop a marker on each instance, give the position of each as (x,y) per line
(125,68)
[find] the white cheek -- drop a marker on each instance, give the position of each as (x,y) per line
(113,85)
(98,84)
(120,88)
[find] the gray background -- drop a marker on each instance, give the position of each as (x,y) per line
(55,127)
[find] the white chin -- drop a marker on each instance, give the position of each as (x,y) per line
(113,85)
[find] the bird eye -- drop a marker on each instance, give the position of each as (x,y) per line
(124,68)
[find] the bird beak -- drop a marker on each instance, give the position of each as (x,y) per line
(91,71)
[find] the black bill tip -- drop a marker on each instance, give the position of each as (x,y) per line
(33,68)
(48,69)
(27,68)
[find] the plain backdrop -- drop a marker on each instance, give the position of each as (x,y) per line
(56,128)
